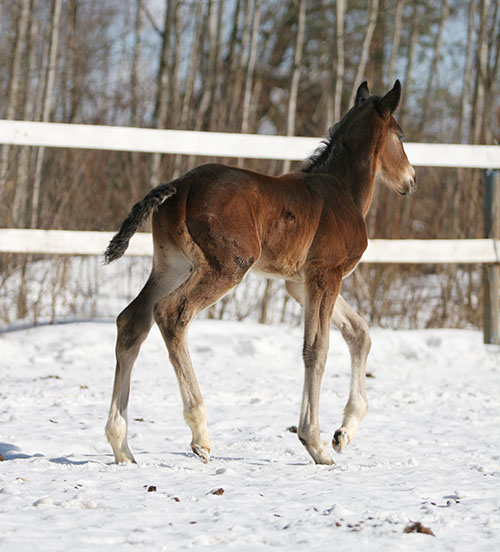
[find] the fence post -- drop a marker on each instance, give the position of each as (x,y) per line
(491,272)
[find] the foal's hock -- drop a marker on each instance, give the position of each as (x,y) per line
(215,223)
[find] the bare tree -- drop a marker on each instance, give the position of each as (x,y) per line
(217,101)
(438,44)
(47,107)
(408,78)
(209,78)
(492,75)
(370,28)
(481,72)
(232,62)
(12,101)
(189,80)
(23,167)
(251,66)
(162,95)
(240,72)
(396,38)
(134,73)
(339,77)
(467,71)
(294,86)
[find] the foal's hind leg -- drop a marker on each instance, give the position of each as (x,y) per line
(133,326)
(355,332)
(173,314)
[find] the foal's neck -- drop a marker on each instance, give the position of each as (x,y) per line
(358,170)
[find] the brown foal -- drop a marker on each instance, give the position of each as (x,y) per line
(215,223)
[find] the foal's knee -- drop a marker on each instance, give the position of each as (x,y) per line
(363,339)
(357,335)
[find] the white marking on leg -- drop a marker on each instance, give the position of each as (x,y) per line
(355,332)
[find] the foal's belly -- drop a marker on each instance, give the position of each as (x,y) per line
(276,271)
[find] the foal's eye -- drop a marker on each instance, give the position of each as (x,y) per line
(400,136)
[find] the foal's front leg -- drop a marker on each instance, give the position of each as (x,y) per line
(319,303)
(355,333)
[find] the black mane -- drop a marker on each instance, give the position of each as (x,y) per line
(318,160)
(331,146)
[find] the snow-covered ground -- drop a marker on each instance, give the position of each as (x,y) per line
(428,450)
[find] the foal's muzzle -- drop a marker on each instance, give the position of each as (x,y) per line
(410,185)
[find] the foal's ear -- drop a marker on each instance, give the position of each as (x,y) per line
(390,101)
(362,93)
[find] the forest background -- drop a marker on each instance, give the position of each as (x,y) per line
(286,67)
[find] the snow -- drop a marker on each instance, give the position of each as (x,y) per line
(428,450)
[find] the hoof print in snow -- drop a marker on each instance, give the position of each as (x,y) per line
(217,492)
(292,429)
(151,488)
(417,527)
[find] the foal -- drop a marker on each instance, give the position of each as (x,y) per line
(215,223)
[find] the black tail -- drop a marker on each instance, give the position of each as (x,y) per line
(139,212)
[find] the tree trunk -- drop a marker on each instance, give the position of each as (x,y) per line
(370,28)
(217,107)
(232,63)
(19,210)
(410,59)
(134,75)
(47,107)
(189,82)
(492,75)
(162,95)
(467,71)
(339,72)
(396,39)
(134,99)
(209,83)
(327,64)
(438,44)
(376,69)
(209,78)
(175,84)
(251,66)
(10,112)
(240,73)
(294,87)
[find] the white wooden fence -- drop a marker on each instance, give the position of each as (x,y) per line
(66,242)
(221,144)
(24,133)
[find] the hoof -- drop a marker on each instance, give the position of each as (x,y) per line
(123,455)
(201,452)
(340,440)
(324,460)
(125,459)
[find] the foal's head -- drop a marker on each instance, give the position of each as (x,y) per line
(393,167)
(368,128)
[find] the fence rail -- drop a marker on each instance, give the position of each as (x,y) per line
(66,242)
(221,144)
